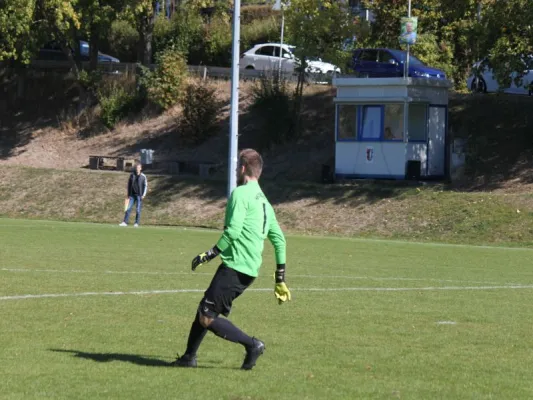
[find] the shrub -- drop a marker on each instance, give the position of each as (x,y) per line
(182,33)
(210,43)
(117,99)
(122,41)
(164,85)
(253,13)
(201,109)
(163,34)
(263,31)
(217,45)
(434,54)
(274,104)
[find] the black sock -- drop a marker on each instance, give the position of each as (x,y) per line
(195,337)
(226,330)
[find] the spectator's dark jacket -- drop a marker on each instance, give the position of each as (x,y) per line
(137,185)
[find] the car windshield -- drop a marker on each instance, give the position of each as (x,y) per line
(402,55)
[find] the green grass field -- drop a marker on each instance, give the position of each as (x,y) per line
(368,319)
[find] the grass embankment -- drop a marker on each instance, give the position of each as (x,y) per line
(385,210)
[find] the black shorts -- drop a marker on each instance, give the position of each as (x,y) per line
(226,286)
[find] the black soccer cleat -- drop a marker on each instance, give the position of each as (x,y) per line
(185,361)
(252,354)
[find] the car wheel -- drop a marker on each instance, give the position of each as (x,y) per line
(478,85)
(249,67)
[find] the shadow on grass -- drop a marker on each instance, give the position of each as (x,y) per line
(353,194)
(36,109)
(498,133)
(107,357)
(141,360)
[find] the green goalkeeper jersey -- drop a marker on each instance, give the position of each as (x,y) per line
(250,219)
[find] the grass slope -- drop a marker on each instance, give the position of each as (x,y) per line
(380,337)
(388,210)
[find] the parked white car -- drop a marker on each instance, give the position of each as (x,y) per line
(265,57)
(482,80)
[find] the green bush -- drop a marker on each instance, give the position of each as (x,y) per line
(182,33)
(117,99)
(217,45)
(263,31)
(163,34)
(201,109)
(90,81)
(209,43)
(164,85)
(274,104)
(434,54)
(253,13)
(122,41)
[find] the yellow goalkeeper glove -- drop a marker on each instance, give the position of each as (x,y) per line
(281,291)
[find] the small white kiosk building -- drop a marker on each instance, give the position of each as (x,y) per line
(371,141)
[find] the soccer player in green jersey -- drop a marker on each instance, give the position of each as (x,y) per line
(250,219)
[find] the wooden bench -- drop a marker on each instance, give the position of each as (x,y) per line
(98,162)
(201,168)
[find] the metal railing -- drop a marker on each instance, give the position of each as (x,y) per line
(202,71)
(121,68)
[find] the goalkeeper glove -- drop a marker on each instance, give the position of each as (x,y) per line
(205,257)
(281,291)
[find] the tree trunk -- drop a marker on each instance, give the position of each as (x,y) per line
(298,100)
(146,33)
(76,69)
(94,47)
(148,36)
(77,50)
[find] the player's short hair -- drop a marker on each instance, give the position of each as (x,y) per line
(252,162)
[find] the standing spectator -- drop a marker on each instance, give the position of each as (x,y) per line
(137,188)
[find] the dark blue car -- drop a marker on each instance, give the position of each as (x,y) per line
(387,63)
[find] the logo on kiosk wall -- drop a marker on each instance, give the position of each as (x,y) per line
(369,154)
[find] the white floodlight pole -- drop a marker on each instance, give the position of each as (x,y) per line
(234,106)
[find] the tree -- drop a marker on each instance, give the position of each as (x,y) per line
(318,28)
(96,19)
(16,17)
(450,33)
(141,13)
(509,44)
(25,24)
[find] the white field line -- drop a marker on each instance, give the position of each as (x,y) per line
(368,278)
(347,289)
